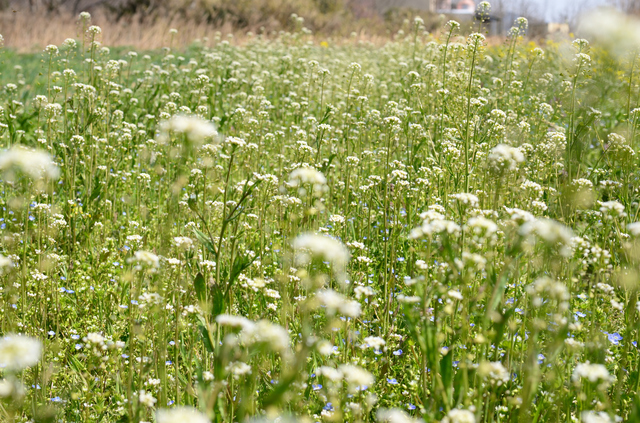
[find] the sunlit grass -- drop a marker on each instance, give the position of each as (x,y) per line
(433,229)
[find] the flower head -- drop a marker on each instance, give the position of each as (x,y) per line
(595,373)
(145,258)
(308,175)
(325,248)
(181,415)
(504,158)
(35,164)
(195,129)
(552,233)
(495,372)
(394,415)
(18,352)
(459,416)
(356,377)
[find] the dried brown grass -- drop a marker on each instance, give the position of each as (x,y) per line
(27,31)
(24,31)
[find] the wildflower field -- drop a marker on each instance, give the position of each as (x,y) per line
(285,229)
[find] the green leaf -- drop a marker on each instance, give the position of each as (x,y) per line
(239,265)
(326,165)
(192,203)
(218,300)
(446,370)
(501,326)
(206,241)
(97,188)
(205,334)
(499,289)
(200,286)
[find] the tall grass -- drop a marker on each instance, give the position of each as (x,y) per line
(433,229)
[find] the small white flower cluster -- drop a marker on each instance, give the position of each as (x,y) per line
(183,242)
(195,129)
(357,378)
(549,288)
(494,372)
(146,399)
(619,147)
(634,228)
(35,164)
(5,264)
(552,146)
(17,352)
(336,218)
(335,302)
(374,342)
(552,233)
(146,259)
(395,415)
(238,368)
(465,199)
(434,223)
(594,373)
(308,175)
(482,230)
(233,321)
(181,414)
(458,415)
(504,158)
(323,247)
(266,333)
(596,417)
(611,209)
(518,216)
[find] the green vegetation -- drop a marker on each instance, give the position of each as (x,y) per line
(431,229)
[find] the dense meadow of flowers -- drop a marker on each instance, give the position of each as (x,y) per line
(287,230)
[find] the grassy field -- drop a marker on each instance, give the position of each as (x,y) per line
(293,230)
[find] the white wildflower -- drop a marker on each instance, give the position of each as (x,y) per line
(95,338)
(634,228)
(18,352)
(239,368)
(195,129)
(146,399)
(374,342)
(504,158)
(183,242)
(595,417)
(35,164)
(553,233)
(324,247)
(612,209)
(356,377)
(335,302)
(265,332)
(308,175)
(595,373)
(330,373)
(5,264)
(394,415)
(495,372)
(145,258)
(181,415)
(459,416)
(336,218)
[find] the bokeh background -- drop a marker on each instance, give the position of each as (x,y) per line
(32,24)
